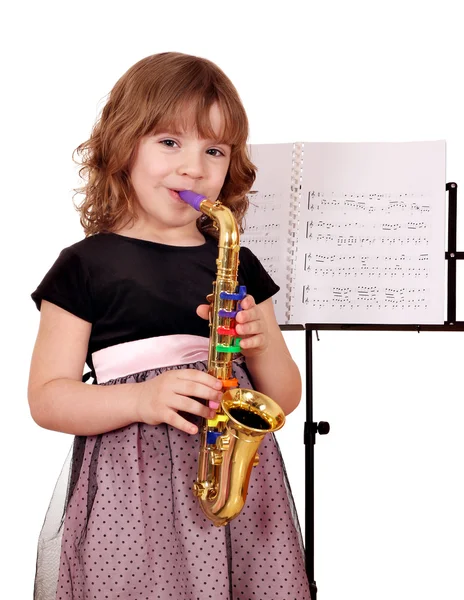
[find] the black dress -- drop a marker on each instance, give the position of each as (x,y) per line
(123,522)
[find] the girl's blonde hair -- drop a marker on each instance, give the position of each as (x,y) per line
(159,93)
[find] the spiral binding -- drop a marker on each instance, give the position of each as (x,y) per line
(295,202)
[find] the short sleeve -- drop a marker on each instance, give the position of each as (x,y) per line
(259,283)
(67,284)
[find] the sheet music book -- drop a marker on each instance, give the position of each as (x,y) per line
(351,232)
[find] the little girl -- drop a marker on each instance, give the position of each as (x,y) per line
(129,300)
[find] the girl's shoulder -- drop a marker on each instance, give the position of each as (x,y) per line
(97,249)
(77,263)
(92,242)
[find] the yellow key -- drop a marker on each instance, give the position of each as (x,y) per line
(218,419)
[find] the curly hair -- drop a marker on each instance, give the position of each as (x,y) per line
(159,92)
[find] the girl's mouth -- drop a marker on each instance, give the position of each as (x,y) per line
(175,194)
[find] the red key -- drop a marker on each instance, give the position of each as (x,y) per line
(227,331)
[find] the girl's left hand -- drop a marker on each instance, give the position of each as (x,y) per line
(250,326)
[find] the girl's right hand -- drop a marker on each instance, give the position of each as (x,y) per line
(161,398)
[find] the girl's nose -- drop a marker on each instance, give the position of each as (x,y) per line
(191,164)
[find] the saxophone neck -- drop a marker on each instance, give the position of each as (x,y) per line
(229,234)
(222,216)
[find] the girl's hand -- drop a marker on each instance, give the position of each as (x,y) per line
(161,398)
(250,326)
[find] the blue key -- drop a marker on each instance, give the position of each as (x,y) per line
(212,436)
(240,295)
(227,314)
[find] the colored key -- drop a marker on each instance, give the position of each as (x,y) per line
(227,331)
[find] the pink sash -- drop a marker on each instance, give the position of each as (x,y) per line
(151,353)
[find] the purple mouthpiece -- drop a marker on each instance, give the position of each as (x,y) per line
(192,198)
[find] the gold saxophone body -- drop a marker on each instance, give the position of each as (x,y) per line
(228,443)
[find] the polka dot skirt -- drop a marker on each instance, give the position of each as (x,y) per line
(131,528)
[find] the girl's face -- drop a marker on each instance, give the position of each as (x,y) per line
(168,162)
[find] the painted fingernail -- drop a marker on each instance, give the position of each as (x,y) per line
(213,404)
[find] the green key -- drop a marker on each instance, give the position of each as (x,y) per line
(223,348)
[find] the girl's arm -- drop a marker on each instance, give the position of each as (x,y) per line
(59,400)
(271,366)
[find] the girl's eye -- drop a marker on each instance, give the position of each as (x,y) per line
(169,143)
(215,152)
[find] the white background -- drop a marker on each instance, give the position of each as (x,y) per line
(389,492)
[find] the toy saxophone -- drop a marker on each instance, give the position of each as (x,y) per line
(228,443)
